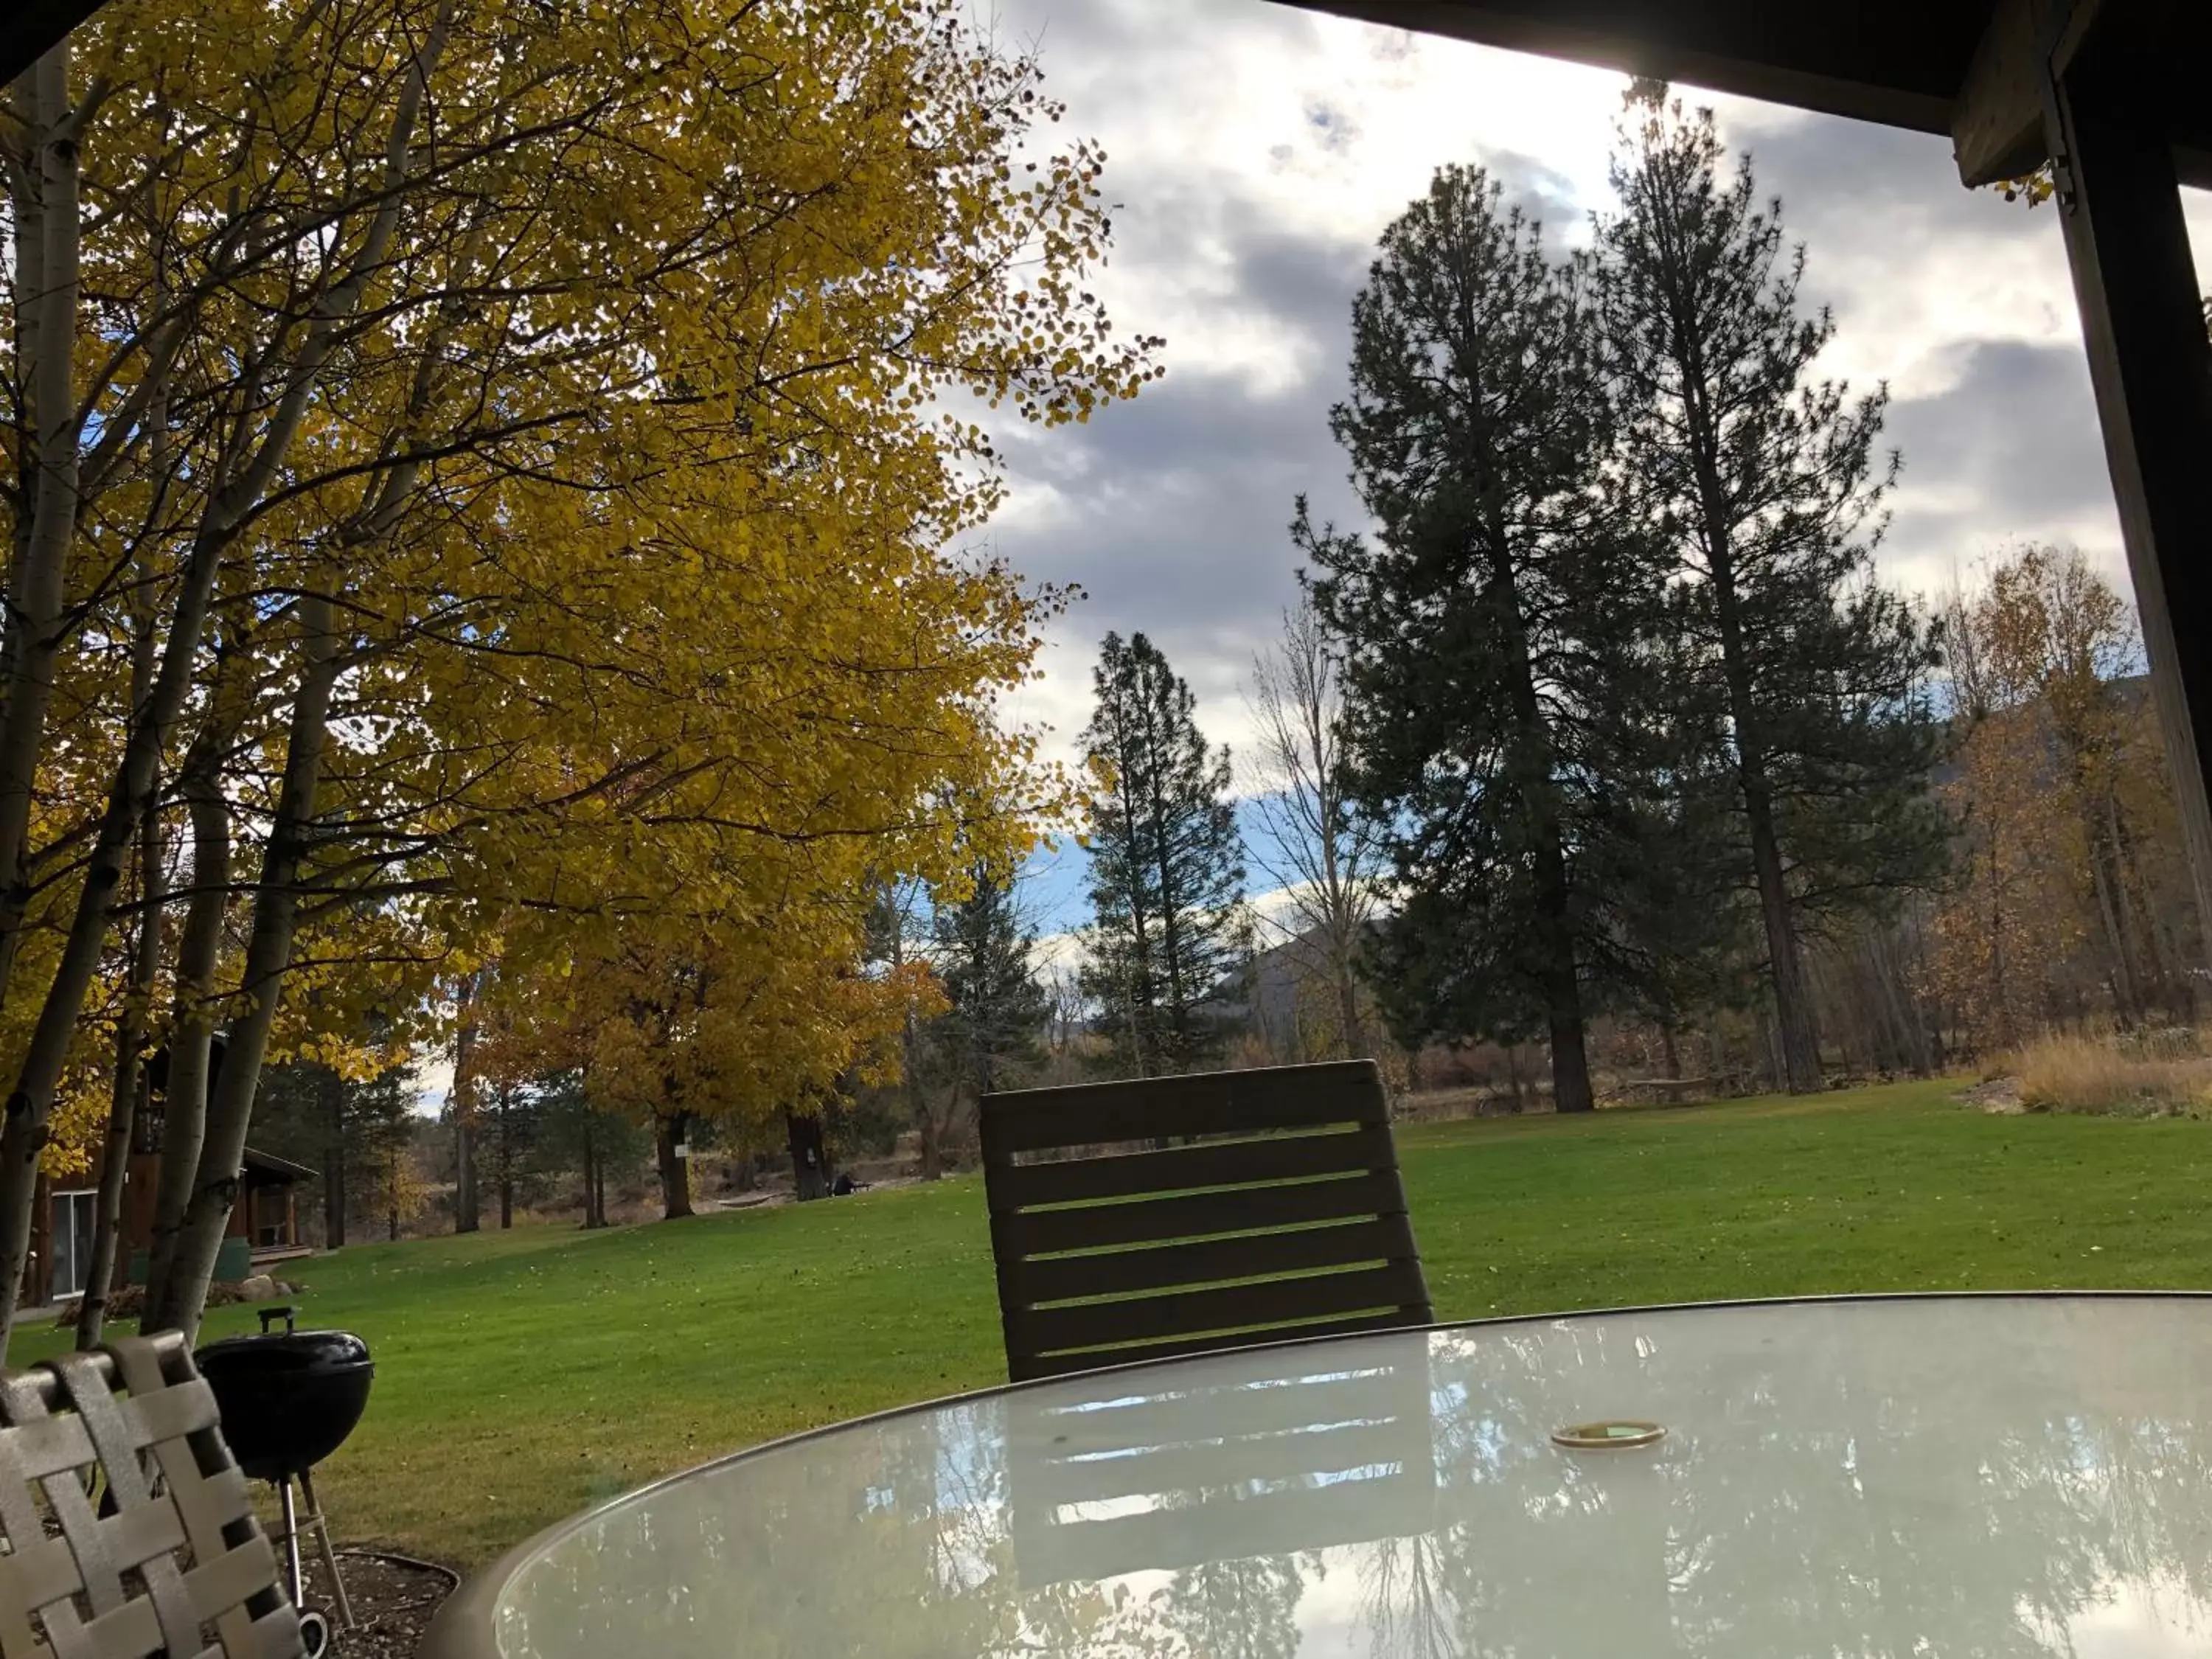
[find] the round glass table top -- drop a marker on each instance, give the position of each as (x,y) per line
(1943,1477)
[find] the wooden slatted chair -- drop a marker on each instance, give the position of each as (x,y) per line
(177,1564)
(1281,1216)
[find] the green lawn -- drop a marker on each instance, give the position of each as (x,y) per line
(523,1375)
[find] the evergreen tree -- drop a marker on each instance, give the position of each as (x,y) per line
(574,1137)
(349,1130)
(1167,867)
(994,1012)
(1489,629)
(381,1127)
(1685,926)
(1766,484)
(513,1116)
(998,1008)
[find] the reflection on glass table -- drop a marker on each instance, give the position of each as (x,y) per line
(2009,1477)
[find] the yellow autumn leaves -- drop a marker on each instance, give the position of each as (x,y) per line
(597,366)
(2072,889)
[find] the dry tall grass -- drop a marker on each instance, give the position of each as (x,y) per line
(2127,1077)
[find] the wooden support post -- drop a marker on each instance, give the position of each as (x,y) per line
(2142,322)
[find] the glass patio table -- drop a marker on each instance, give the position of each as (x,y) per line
(1942,1476)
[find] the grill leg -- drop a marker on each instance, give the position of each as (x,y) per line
(291,1543)
(322,1526)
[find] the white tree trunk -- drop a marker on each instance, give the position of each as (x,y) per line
(268,955)
(47,242)
(192,1027)
(47,237)
(129,1043)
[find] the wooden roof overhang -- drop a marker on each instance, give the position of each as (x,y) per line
(1966,68)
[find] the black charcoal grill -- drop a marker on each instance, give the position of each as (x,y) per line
(288,1399)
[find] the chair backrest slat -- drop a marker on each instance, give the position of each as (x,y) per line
(1184,1168)
(1227,1209)
(181,1565)
(1206,1260)
(1201,1104)
(1293,1225)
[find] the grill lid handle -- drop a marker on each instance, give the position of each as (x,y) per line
(268,1313)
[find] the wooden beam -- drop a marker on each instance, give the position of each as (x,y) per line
(30,29)
(1996,120)
(1871,60)
(1967,67)
(2152,366)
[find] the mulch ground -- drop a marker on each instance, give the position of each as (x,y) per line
(392,1604)
(1999,1095)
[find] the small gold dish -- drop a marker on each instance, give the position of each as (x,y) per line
(1617,1436)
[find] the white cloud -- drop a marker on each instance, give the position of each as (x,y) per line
(434,1081)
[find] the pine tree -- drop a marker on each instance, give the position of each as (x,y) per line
(984,1020)
(998,1008)
(512,1121)
(1488,628)
(1167,867)
(577,1138)
(380,1125)
(348,1129)
(1685,925)
(1767,484)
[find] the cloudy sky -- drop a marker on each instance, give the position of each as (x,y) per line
(1257,152)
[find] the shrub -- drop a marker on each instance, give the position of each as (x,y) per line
(2121,1076)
